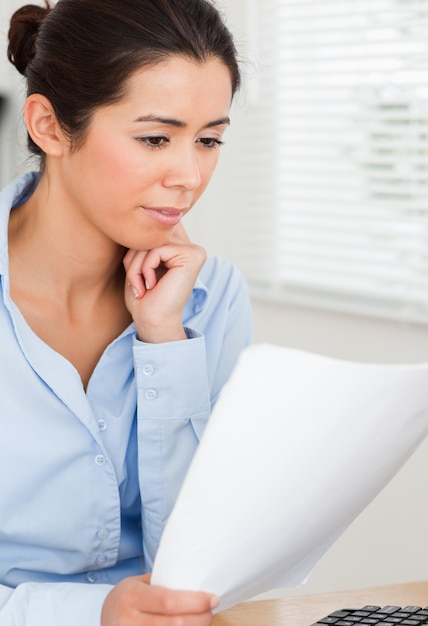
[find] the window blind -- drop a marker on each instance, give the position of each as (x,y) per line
(333,183)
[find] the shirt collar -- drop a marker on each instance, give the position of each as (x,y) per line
(13,194)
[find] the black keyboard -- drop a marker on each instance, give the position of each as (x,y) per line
(369,614)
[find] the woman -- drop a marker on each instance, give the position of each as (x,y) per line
(117,333)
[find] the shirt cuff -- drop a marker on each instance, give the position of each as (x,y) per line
(51,604)
(172,378)
(190,334)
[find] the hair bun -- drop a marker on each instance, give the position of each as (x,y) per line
(24,26)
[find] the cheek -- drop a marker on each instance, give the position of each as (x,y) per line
(127,169)
(110,161)
(113,164)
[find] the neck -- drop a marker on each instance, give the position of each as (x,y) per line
(59,250)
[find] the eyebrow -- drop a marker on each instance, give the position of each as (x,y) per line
(178,123)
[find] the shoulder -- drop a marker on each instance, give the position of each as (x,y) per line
(225,287)
(220,287)
(220,274)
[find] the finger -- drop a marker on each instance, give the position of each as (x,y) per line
(129,256)
(175,255)
(147,619)
(158,600)
(156,263)
(133,263)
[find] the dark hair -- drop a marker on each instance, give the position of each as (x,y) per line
(80,53)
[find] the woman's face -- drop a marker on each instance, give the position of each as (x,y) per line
(147,159)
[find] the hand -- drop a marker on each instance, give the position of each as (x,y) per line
(134,602)
(158,285)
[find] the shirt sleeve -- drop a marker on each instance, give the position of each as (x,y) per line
(172,392)
(177,385)
(51,604)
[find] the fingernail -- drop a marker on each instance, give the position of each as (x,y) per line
(135,292)
(147,284)
(215,601)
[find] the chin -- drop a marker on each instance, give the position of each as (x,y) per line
(149,243)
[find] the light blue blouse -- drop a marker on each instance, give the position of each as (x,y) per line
(88,479)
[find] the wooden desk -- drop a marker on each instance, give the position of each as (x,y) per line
(305,610)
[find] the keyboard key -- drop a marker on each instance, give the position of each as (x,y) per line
(372,615)
(390,609)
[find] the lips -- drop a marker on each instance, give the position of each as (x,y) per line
(166,216)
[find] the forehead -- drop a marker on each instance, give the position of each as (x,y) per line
(181,87)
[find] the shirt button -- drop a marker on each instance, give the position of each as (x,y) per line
(148,370)
(101,425)
(151,394)
(103,533)
(91,577)
(101,560)
(100,460)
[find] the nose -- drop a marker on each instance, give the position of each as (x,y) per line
(184,170)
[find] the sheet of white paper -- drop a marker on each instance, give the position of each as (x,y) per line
(297,445)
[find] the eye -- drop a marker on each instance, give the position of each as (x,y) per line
(210,142)
(154,141)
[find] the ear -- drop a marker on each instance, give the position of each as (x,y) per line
(43,126)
